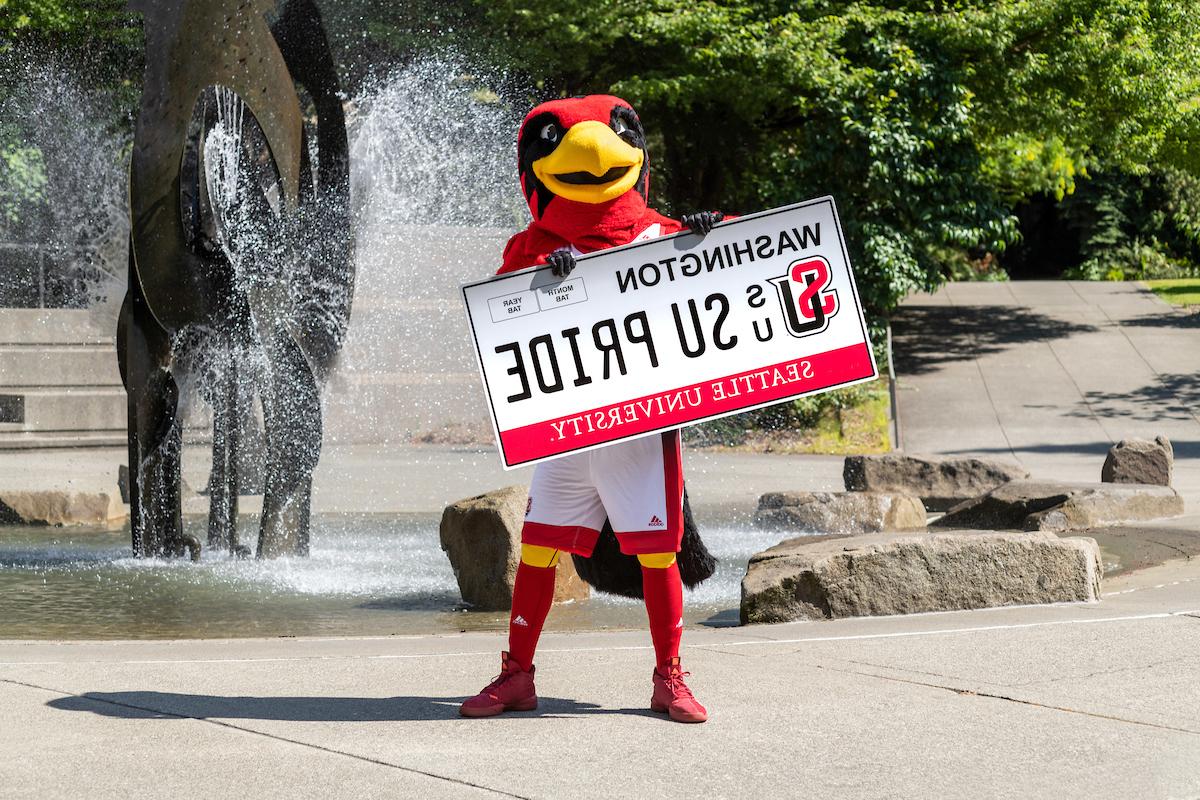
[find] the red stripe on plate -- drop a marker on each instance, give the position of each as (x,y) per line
(686,404)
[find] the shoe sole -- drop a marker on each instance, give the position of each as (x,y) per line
(660,709)
(492,711)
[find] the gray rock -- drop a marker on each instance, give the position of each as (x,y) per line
(839,512)
(1052,506)
(880,575)
(482,538)
(62,507)
(940,481)
(1139,461)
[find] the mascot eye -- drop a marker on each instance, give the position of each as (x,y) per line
(623,130)
(550,133)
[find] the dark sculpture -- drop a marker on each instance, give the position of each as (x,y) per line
(237,289)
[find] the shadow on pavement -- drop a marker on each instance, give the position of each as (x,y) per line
(927,336)
(1172,320)
(1128,548)
(1174,395)
(729,618)
(1174,398)
(170,705)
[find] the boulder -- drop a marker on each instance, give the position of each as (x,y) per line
(1053,506)
(940,481)
(880,575)
(62,507)
(482,538)
(1139,461)
(839,512)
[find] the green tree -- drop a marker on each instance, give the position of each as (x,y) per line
(97,38)
(98,25)
(928,120)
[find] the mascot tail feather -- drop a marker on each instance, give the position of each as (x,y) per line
(610,571)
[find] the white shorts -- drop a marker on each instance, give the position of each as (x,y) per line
(636,484)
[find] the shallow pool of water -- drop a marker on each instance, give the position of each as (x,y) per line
(366,575)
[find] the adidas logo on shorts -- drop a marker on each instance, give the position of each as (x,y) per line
(520,621)
(655,522)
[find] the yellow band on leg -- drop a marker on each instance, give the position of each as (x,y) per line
(537,556)
(656,560)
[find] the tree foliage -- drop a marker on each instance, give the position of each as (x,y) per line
(928,120)
(934,123)
(97,38)
(93,24)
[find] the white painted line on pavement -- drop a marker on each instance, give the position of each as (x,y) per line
(976,629)
(1144,588)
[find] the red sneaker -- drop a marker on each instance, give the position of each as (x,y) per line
(512,690)
(671,694)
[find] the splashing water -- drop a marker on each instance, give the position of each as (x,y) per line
(367,575)
(222,161)
(434,196)
(79,158)
(430,146)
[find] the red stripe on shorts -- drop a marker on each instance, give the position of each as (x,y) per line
(568,538)
(673,476)
(669,538)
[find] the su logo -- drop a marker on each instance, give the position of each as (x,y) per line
(807,300)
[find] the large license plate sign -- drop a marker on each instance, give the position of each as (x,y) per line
(667,332)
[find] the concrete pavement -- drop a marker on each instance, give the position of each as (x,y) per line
(1075,701)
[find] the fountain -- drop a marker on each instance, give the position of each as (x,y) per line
(241,271)
(432,199)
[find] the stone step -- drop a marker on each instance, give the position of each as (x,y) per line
(64,440)
(32,440)
(54,326)
(58,365)
(71,408)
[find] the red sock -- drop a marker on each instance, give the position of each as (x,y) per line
(664,607)
(533,592)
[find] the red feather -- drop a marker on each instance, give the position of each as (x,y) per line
(586,226)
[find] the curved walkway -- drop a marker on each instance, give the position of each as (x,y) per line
(1049,373)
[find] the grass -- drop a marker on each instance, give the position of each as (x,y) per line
(1177,291)
(859,428)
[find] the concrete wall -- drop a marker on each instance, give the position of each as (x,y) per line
(407,370)
(59,384)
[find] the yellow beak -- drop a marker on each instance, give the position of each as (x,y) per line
(592,164)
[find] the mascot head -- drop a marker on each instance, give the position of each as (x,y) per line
(582,154)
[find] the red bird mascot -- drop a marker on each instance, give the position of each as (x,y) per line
(619,510)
